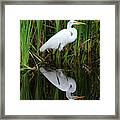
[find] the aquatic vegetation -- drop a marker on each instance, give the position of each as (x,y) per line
(79,60)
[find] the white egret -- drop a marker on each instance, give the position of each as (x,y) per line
(62,82)
(62,38)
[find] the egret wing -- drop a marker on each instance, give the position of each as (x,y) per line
(60,39)
(57,78)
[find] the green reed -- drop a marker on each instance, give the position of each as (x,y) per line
(35,34)
(25,36)
(82,56)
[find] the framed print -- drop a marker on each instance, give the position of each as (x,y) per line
(59,59)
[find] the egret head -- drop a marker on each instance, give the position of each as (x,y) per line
(71,96)
(73,22)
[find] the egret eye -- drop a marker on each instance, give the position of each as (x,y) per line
(72,26)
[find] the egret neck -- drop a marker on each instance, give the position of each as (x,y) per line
(73,32)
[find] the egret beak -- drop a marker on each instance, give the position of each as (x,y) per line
(79,23)
(79,97)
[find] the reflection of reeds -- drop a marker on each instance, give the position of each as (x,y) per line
(83,56)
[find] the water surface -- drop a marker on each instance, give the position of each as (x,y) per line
(61,84)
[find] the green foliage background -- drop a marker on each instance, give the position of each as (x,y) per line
(80,59)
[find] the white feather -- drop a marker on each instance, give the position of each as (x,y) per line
(61,39)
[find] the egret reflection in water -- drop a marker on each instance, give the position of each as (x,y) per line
(61,81)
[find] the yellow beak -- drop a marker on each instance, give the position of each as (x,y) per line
(79,23)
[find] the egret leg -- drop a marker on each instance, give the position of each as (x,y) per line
(57,54)
(49,50)
(58,48)
(57,78)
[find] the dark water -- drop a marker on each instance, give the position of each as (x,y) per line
(60,84)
